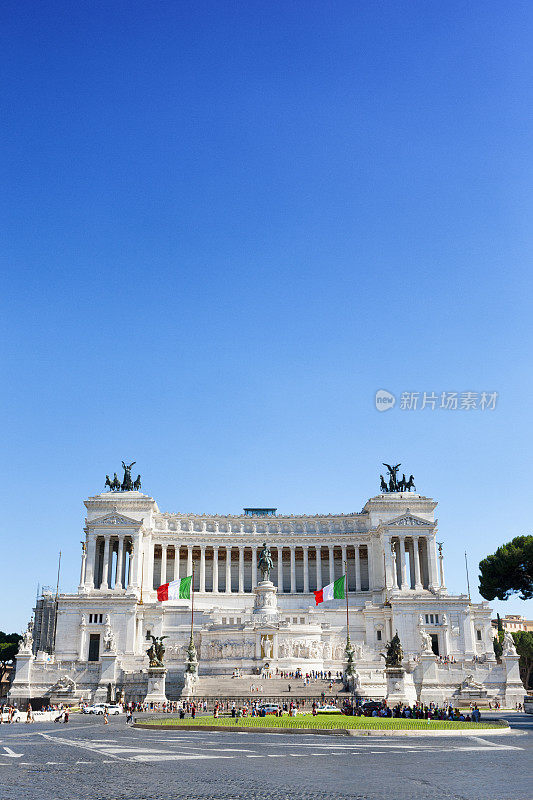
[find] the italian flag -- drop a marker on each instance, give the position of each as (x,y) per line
(333,591)
(175,590)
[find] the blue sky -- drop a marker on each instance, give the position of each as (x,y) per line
(225,225)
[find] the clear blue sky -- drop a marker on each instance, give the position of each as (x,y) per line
(225,225)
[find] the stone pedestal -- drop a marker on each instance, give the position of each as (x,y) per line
(156,685)
(107,684)
(514,688)
(20,690)
(400,686)
(265,602)
(431,690)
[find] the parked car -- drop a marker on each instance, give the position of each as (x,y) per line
(328,709)
(113,708)
(269,709)
(88,709)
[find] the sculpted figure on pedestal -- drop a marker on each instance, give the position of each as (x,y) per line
(509,648)
(265,562)
(427,645)
(156,651)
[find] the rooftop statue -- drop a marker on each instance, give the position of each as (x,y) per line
(393,484)
(127,485)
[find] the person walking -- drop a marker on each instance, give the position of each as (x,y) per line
(106,716)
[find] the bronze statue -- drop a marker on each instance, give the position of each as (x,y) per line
(108,482)
(394,656)
(265,562)
(127,483)
(192,658)
(137,483)
(116,483)
(156,651)
(393,484)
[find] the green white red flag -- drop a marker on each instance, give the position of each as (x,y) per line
(333,591)
(175,590)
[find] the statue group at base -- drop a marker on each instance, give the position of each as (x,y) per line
(400,684)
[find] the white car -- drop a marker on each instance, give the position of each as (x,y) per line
(328,709)
(99,708)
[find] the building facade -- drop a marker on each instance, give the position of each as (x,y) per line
(396,583)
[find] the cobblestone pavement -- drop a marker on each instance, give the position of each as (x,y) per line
(87,759)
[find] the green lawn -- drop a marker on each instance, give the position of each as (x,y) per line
(325,721)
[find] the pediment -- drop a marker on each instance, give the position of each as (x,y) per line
(114,519)
(408,520)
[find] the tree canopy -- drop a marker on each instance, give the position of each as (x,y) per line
(9,645)
(508,570)
(524,647)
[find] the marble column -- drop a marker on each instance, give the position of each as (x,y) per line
(370,564)
(331,564)
(120,562)
(176,562)
(90,570)
(416,558)
(306,569)
(105,570)
(133,570)
(357,569)
(441,569)
(202,568)
(241,570)
(293,569)
(403,572)
(163,576)
(280,569)
(394,565)
(228,570)
(83,565)
(189,559)
(318,551)
(215,570)
(254,567)
(432,563)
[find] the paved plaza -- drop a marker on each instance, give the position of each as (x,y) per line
(87,759)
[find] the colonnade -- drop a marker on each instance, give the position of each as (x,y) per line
(419,552)
(233,569)
(108,564)
(410,562)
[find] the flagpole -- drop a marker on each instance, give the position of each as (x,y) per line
(192,599)
(142,580)
(346,594)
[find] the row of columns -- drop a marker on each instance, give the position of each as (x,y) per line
(121,577)
(423,575)
(321,580)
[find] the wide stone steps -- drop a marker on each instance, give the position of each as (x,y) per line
(227,687)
